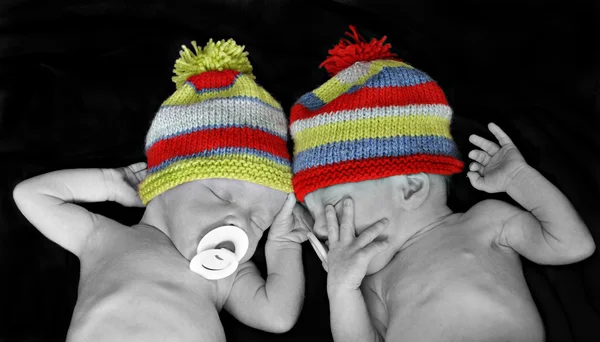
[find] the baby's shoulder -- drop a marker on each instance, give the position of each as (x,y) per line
(484,220)
(109,233)
(491,210)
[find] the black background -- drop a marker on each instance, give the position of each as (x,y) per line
(80,83)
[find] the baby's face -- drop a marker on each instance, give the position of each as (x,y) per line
(372,200)
(196,208)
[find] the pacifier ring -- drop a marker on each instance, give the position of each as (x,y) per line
(214,264)
(219,252)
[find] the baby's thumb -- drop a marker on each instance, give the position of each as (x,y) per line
(134,199)
(284,217)
(476,180)
(288,207)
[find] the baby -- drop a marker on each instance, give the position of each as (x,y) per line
(217,162)
(402,266)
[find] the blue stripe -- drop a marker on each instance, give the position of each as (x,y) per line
(220,152)
(242,97)
(372,148)
(311,101)
(393,77)
(209,127)
(206,90)
(386,77)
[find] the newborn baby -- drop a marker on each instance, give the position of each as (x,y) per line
(217,162)
(373,154)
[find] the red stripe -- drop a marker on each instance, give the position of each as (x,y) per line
(213,79)
(315,178)
(187,144)
(367,97)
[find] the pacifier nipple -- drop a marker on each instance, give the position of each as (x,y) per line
(214,261)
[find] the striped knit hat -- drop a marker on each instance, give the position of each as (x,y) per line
(218,124)
(376,117)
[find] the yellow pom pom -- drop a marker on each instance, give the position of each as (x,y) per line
(222,55)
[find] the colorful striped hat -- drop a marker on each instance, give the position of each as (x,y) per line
(218,124)
(376,117)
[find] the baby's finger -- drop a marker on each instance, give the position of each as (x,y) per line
(288,206)
(499,134)
(286,211)
(141,175)
(347,221)
(300,234)
(374,248)
(371,233)
(476,167)
(135,173)
(333,229)
(129,198)
(137,202)
(476,180)
(136,167)
(480,156)
(484,144)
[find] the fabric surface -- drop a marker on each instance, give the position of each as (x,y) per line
(219,123)
(373,119)
(81,81)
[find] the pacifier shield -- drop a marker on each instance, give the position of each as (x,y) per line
(214,263)
(232,234)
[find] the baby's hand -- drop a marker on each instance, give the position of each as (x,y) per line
(290,223)
(122,184)
(494,168)
(349,256)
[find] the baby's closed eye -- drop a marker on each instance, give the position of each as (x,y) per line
(219,194)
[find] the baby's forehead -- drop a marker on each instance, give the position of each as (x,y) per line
(243,192)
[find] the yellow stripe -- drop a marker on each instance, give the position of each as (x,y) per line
(380,127)
(334,87)
(243,86)
(247,168)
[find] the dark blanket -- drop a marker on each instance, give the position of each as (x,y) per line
(79,84)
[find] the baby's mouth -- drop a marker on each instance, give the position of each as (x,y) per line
(226,245)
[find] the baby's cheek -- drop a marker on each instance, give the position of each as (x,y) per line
(361,220)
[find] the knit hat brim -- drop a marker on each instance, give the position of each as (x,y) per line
(316,178)
(246,167)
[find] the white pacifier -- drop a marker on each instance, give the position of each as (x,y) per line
(319,248)
(212,263)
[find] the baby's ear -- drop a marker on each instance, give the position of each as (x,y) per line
(412,190)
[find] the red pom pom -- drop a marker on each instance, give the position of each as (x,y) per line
(347,53)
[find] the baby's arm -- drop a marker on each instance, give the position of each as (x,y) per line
(48,201)
(275,304)
(550,231)
(347,261)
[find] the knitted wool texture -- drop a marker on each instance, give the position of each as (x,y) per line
(376,117)
(218,124)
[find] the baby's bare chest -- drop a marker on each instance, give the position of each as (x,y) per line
(139,286)
(452,273)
